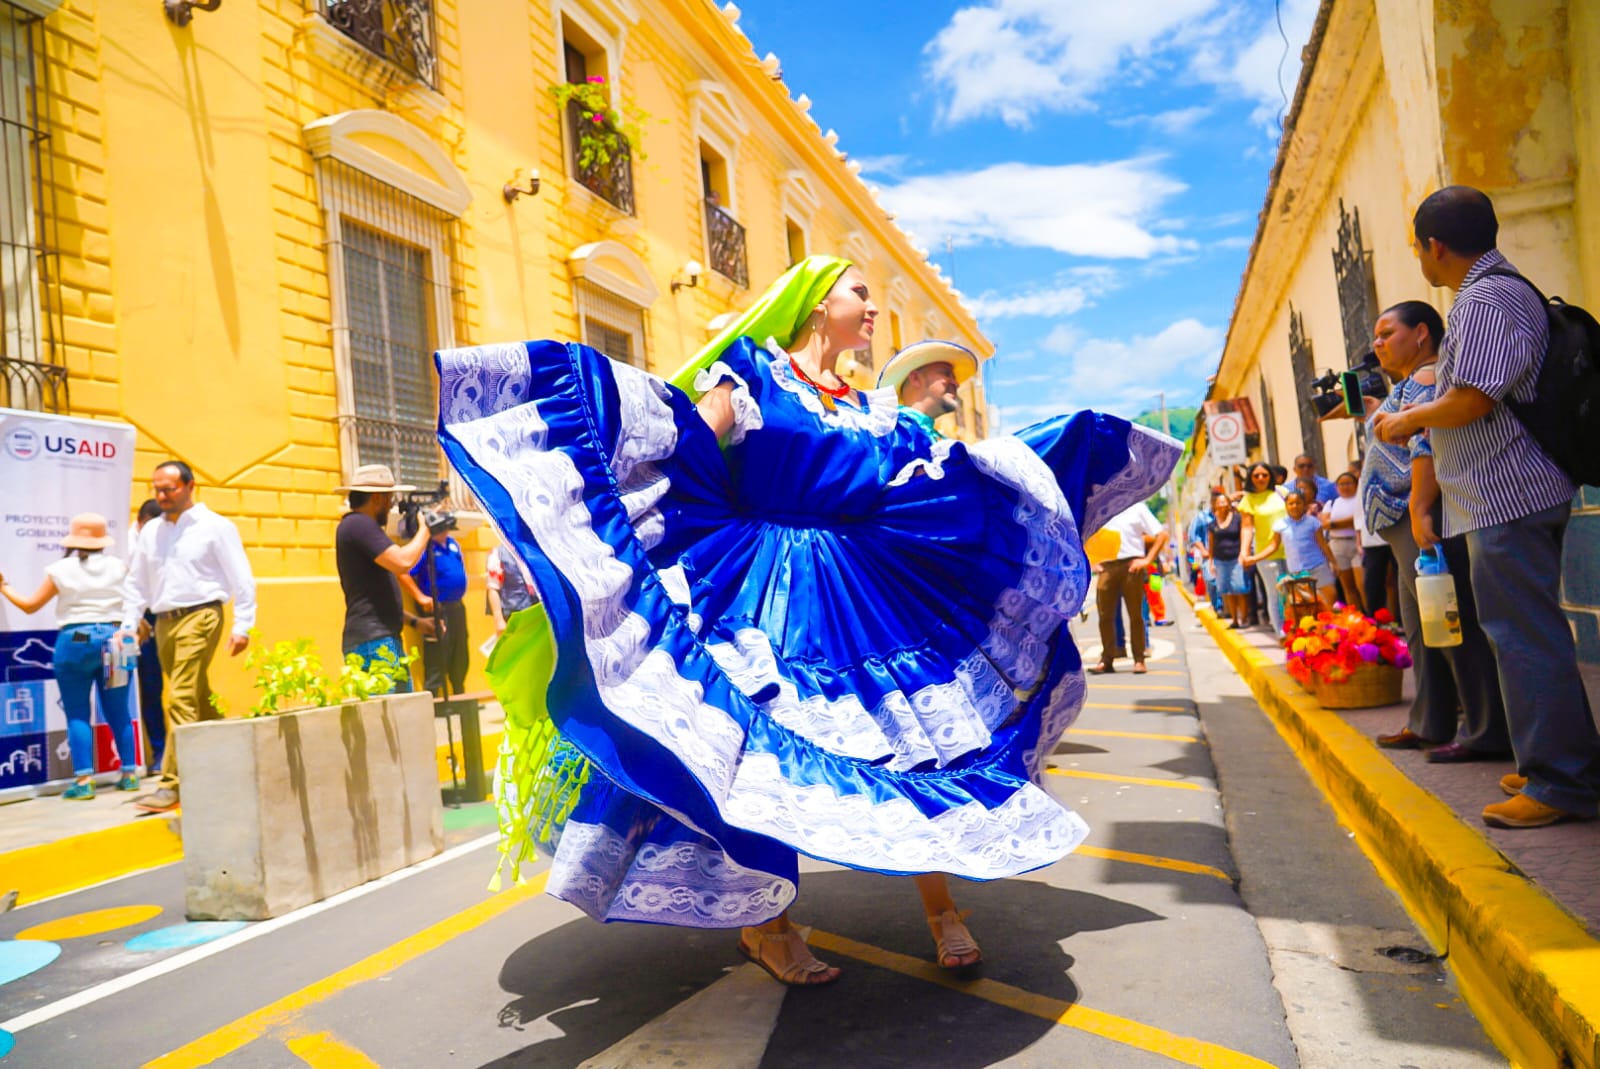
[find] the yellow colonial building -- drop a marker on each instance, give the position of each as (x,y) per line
(1396,99)
(243,226)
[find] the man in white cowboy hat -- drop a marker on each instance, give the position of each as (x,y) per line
(926,375)
(182,569)
(370,564)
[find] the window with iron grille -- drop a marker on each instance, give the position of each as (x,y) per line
(32,373)
(1304,372)
(397,288)
(400,31)
(612,324)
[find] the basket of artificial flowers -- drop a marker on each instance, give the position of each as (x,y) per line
(1347,659)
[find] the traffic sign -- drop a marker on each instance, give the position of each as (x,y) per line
(1226,430)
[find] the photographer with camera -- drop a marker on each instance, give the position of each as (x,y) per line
(370,564)
(1401,502)
(438,583)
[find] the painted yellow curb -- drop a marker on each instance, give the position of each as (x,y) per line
(1526,966)
(78,861)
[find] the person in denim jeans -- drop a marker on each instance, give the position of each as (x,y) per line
(88,586)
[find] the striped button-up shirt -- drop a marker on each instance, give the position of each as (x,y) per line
(1491,471)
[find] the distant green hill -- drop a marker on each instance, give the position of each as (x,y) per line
(1181,420)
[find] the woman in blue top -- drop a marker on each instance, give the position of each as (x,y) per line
(785,623)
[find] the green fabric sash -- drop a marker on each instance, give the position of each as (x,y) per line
(779,313)
(538,776)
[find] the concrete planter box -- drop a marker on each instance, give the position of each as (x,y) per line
(282,811)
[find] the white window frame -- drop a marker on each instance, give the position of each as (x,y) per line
(621,272)
(335,137)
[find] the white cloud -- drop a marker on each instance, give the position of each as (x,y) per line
(1169,123)
(1084,209)
(891,165)
(1062,299)
(1015,59)
(1117,375)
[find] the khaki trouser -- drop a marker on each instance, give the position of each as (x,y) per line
(186,645)
(1118,583)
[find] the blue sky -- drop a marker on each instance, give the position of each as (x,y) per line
(1088,171)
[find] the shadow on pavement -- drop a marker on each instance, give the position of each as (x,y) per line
(585,986)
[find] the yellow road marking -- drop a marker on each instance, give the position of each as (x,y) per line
(1142,782)
(321,1051)
(252,1026)
(1154,860)
(1137,735)
(1189,1051)
(1134,686)
(77,925)
(1141,708)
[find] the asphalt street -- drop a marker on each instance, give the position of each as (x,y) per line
(1232,927)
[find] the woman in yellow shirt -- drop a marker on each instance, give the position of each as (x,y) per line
(1260,508)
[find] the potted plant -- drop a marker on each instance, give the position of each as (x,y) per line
(603,132)
(323,786)
(1347,659)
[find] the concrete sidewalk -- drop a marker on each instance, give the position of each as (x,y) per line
(1514,912)
(49,846)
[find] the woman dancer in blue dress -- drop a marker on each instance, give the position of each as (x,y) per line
(784,620)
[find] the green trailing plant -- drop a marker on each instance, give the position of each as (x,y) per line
(289,676)
(604,132)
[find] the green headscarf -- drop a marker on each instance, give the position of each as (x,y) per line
(778,314)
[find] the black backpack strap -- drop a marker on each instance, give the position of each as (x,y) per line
(1509,272)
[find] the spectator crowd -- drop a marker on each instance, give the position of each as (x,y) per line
(1449,467)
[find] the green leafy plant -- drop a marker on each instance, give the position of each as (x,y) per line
(289,676)
(359,681)
(604,132)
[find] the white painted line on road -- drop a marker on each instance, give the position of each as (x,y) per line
(94,994)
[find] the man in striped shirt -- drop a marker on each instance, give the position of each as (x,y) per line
(1511,501)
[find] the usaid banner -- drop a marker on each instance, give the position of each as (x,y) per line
(51,467)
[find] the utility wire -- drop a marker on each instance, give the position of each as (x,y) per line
(1277,13)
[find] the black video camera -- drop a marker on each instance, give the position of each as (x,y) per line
(414,511)
(1345,389)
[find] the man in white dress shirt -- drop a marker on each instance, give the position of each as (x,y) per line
(1141,539)
(183,568)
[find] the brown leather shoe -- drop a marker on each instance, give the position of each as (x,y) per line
(1524,811)
(1404,739)
(1512,783)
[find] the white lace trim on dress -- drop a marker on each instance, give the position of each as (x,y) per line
(878,418)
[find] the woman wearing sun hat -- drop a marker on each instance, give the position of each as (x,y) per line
(87,586)
(783,620)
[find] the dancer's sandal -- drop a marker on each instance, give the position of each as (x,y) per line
(956,949)
(795,967)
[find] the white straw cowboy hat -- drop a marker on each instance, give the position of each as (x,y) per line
(374,479)
(86,530)
(963,361)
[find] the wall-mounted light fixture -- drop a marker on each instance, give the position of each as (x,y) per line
(511,191)
(181,11)
(692,272)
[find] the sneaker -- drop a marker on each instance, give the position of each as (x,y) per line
(163,800)
(78,792)
(128,782)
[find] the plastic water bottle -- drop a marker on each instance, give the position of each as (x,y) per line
(1436,600)
(120,658)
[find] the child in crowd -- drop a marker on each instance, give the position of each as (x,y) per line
(1305,545)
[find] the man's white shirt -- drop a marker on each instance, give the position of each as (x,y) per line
(198,559)
(1131,525)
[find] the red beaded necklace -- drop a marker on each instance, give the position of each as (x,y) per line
(839,392)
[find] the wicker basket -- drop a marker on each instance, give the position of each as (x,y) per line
(1368,687)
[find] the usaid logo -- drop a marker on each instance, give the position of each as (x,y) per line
(23,443)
